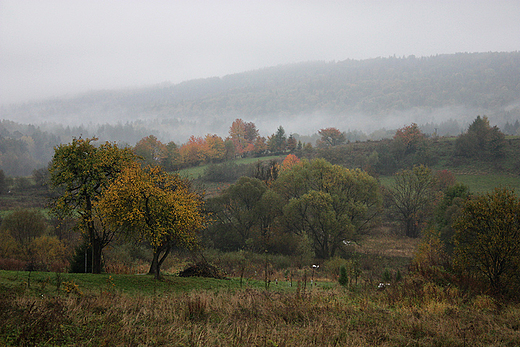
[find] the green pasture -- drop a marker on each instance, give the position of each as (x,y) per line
(48,283)
(198,171)
(486,183)
(477,183)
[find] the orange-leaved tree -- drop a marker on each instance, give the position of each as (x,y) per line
(152,205)
(408,139)
(289,161)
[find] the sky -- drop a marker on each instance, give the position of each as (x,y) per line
(53,48)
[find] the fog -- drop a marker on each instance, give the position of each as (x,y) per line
(54,48)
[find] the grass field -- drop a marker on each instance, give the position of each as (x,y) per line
(477,183)
(134,310)
(198,171)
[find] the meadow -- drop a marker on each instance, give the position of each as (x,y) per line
(391,303)
(136,310)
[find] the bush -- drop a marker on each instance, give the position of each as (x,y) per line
(225,172)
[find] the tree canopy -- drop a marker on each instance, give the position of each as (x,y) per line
(79,172)
(487,238)
(152,205)
(328,202)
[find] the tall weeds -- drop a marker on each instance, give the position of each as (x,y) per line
(336,317)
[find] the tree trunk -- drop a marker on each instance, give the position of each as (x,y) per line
(155,267)
(97,266)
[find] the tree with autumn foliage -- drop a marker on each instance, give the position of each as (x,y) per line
(193,152)
(408,139)
(79,172)
(150,204)
(487,239)
(330,137)
(289,161)
(215,149)
(151,151)
(243,135)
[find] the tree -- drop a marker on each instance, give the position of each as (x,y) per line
(408,139)
(172,159)
(327,202)
(150,204)
(237,210)
(3,183)
(411,197)
(487,238)
(480,139)
(151,151)
(193,151)
(215,148)
(25,226)
(79,172)
(408,148)
(277,142)
(289,161)
(243,134)
(291,143)
(331,137)
(447,211)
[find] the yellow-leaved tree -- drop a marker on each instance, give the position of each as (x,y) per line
(151,205)
(79,172)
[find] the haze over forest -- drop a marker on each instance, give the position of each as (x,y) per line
(364,95)
(175,69)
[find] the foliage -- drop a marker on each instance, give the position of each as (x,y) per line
(411,197)
(244,136)
(149,204)
(237,213)
(408,139)
(331,137)
(24,225)
(487,239)
(447,211)
(481,140)
(80,171)
(328,202)
(277,142)
(225,172)
(3,183)
(289,161)
(151,151)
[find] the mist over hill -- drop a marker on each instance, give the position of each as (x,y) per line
(361,95)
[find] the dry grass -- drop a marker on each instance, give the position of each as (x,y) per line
(433,317)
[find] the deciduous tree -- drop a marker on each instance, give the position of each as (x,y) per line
(151,151)
(328,202)
(331,137)
(79,172)
(487,238)
(149,204)
(412,197)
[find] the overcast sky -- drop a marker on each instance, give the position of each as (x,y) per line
(53,48)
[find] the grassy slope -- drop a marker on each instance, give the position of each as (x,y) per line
(198,171)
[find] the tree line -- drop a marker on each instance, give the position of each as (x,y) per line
(306,207)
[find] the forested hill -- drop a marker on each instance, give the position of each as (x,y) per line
(382,92)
